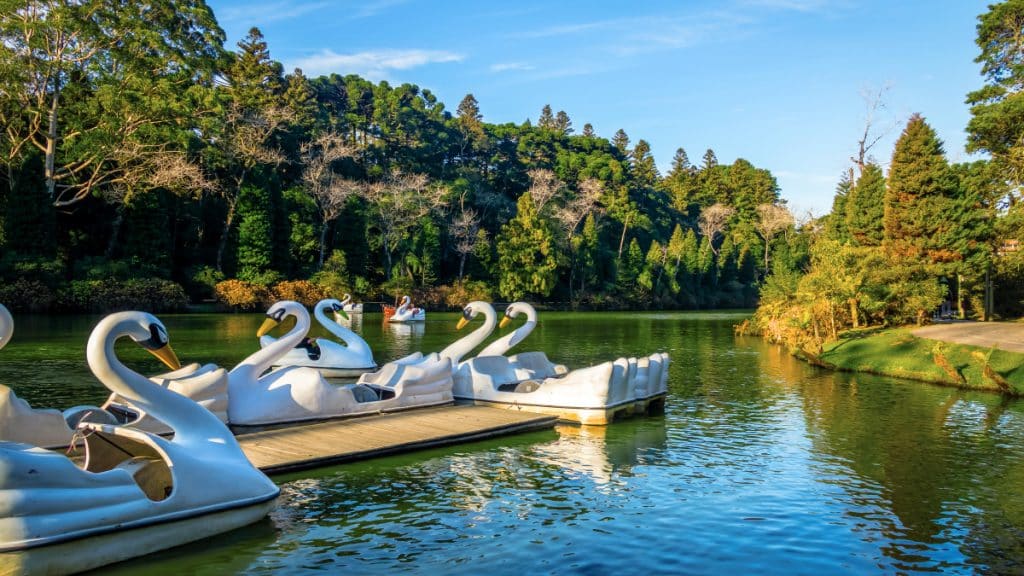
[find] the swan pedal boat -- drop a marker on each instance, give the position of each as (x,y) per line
(595,395)
(296,393)
(407,313)
(136,492)
(351,359)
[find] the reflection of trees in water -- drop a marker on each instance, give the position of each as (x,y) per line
(403,509)
(930,466)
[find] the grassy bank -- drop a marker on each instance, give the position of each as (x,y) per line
(896,352)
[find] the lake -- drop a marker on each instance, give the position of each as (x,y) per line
(760,464)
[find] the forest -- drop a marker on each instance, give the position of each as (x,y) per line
(147,165)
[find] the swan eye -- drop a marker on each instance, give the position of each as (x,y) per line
(335,307)
(157,338)
(277,316)
(467,313)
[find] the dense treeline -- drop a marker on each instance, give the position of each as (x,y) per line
(928,237)
(145,164)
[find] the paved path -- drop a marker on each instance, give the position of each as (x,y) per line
(1003,335)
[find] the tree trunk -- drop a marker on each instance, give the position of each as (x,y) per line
(323,245)
(387,260)
(51,145)
(622,240)
(223,244)
(462,265)
(115,231)
(959,297)
(854,312)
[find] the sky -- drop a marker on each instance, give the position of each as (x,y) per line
(780,83)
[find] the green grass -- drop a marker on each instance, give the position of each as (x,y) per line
(896,352)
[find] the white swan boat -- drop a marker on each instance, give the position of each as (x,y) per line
(136,492)
(406,312)
(349,307)
(296,393)
(50,428)
(592,395)
(350,359)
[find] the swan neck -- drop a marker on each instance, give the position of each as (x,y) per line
(456,350)
(339,331)
(260,361)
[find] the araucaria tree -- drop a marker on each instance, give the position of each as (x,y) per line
(527,261)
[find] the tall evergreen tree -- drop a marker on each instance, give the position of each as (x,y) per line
(588,130)
(562,123)
(865,207)
(918,177)
(527,259)
(547,118)
(621,142)
(709,160)
(836,227)
(645,171)
(680,163)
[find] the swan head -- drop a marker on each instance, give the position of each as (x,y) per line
(277,313)
(336,307)
(470,311)
(346,298)
(514,309)
(148,332)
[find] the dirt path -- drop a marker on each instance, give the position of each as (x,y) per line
(1003,335)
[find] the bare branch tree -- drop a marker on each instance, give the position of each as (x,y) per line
(771,219)
(398,203)
(874,102)
(463,229)
(544,186)
(329,191)
(246,144)
(713,221)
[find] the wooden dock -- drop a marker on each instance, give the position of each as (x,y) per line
(338,441)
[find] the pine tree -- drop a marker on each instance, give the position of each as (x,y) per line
(645,171)
(918,177)
(865,207)
(621,142)
(301,100)
(255,234)
(709,160)
(255,79)
(630,267)
(526,254)
(836,221)
(547,118)
(588,130)
(470,125)
(562,123)
(680,164)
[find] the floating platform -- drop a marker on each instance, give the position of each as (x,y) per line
(280,450)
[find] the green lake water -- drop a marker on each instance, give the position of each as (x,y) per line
(760,465)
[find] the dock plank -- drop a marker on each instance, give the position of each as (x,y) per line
(337,441)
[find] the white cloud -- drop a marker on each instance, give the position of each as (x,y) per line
(795,5)
(509,66)
(260,14)
(374,64)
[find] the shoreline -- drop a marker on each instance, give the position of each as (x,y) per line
(939,357)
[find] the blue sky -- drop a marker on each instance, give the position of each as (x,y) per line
(777,82)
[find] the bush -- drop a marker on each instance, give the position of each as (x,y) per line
(24,295)
(302,291)
(203,281)
(241,295)
(148,294)
(459,295)
(331,283)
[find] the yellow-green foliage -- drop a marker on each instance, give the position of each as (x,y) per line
(302,291)
(896,352)
(241,295)
(459,295)
(149,294)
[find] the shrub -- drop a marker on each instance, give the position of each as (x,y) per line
(241,295)
(24,295)
(331,283)
(459,295)
(148,294)
(302,291)
(203,280)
